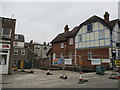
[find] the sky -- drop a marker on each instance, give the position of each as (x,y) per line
(43,21)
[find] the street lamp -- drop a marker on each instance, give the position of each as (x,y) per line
(44,48)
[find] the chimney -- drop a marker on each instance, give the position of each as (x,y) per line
(106,16)
(44,43)
(31,42)
(66,29)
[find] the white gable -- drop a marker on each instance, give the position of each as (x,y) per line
(99,36)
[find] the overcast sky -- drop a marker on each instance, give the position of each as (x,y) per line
(43,21)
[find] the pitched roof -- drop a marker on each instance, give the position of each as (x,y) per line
(96,19)
(73,32)
(113,22)
(63,36)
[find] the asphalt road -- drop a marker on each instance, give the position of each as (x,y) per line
(40,80)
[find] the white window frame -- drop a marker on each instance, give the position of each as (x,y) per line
(62,45)
(70,55)
(22,52)
(15,43)
(16,37)
(71,41)
(16,50)
(90,55)
(80,37)
(101,34)
(118,54)
(90,30)
(8,36)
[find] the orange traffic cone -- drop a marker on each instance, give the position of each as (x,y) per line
(48,73)
(81,80)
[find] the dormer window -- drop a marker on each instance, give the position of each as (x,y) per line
(89,28)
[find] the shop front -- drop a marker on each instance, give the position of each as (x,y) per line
(4,58)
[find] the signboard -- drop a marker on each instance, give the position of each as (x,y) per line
(68,61)
(105,60)
(95,62)
(117,62)
(58,61)
(4,46)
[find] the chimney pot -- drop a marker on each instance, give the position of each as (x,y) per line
(106,16)
(66,28)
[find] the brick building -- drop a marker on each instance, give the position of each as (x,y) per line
(40,51)
(92,41)
(19,48)
(64,45)
(7,30)
(22,54)
(96,40)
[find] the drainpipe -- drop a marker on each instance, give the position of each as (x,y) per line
(75,56)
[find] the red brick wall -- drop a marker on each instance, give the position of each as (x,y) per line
(42,63)
(66,50)
(10,23)
(97,53)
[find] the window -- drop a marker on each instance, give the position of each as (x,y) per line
(16,37)
(80,37)
(14,63)
(37,46)
(15,43)
(71,41)
(3,59)
(22,52)
(89,28)
(118,54)
(70,55)
(90,55)
(15,52)
(62,45)
(61,55)
(101,34)
(6,33)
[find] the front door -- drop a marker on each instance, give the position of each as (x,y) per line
(4,63)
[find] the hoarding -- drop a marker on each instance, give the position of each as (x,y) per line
(58,61)
(95,62)
(68,61)
(117,62)
(105,60)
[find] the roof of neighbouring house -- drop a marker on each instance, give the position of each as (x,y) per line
(113,22)
(95,18)
(20,38)
(63,36)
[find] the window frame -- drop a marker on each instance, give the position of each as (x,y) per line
(118,54)
(15,50)
(89,28)
(8,36)
(80,37)
(22,51)
(101,34)
(90,55)
(71,41)
(62,45)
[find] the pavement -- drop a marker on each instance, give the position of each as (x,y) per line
(39,79)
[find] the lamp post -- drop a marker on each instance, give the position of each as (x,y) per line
(44,48)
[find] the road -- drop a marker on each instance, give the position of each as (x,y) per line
(40,80)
